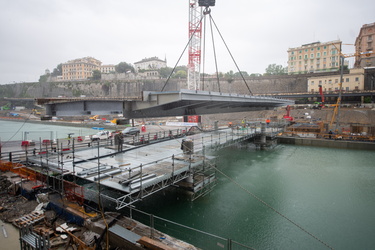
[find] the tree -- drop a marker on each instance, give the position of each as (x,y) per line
(57,71)
(124,67)
(229,76)
(165,72)
(274,69)
(44,78)
(244,73)
(180,74)
(96,74)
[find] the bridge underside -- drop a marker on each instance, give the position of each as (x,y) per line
(162,104)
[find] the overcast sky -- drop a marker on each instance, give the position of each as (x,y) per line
(39,34)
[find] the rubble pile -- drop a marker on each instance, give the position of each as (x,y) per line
(12,207)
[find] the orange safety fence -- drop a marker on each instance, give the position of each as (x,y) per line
(74,192)
(22,171)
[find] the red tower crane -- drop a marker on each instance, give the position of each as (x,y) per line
(195,35)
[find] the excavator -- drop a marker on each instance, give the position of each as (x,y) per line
(94,118)
(287,116)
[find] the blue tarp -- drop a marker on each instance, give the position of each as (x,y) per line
(66,215)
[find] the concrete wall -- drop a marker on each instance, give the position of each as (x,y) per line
(133,87)
(327,143)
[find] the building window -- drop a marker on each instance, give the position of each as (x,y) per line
(318,54)
(312,49)
(312,82)
(320,81)
(330,81)
(311,55)
(347,79)
(305,56)
(336,80)
(305,50)
(357,79)
(318,48)
(324,53)
(325,47)
(300,57)
(347,88)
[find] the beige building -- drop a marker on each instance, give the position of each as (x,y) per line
(80,69)
(351,82)
(106,69)
(314,57)
(150,64)
(364,45)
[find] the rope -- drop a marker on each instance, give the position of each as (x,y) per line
(214,48)
(192,35)
(243,78)
(273,209)
(23,124)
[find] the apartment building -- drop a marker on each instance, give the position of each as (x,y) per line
(80,69)
(150,64)
(314,57)
(364,45)
(107,69)
(351,82)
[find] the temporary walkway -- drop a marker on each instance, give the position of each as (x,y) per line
(139,170)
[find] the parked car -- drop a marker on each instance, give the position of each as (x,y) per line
(102,135)
(131,131)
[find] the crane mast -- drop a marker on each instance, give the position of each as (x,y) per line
(195,35)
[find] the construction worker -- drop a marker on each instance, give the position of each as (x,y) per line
(120,141)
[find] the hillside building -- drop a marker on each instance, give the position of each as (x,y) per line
(152,63)
(364,45)
(80,69)
(351,82)
(314,57)
(107,69)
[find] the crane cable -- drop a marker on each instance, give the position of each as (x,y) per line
(23,124)
(191,37)
(272,208)
(222,38)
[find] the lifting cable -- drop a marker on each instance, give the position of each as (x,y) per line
(175,66)
(23,124)
(272,208)
(243,78)
(207,11)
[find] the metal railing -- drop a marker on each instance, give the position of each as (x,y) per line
(198,238)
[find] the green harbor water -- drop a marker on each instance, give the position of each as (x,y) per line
(330,193)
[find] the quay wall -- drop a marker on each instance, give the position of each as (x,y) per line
(359,145)
(134,87)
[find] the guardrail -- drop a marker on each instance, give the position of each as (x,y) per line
(198,238)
